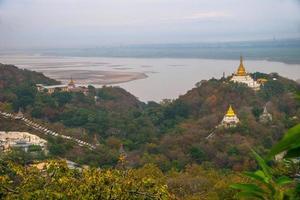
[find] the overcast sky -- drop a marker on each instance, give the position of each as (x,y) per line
(79,23)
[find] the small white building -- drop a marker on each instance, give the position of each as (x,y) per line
(230,119)
(51,88)
(241,76)
(20,139)
(70,87)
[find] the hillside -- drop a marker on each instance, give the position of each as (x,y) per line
(205,106)
(170,134)
(11,76)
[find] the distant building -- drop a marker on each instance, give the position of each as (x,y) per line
(71,84)
(265,117)
(20,140)
(262,81)
(241,76)
(70,87)
(230,119)
(51,88)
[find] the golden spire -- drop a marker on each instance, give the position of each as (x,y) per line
(230,112)
(71,81)
(241,70)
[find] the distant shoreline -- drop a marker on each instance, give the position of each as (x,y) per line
(289,62)
(284,51)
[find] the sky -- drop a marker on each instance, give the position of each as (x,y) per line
(89,23)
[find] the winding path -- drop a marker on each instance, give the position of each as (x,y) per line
(45,130)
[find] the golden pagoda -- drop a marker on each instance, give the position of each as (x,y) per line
(230,119)
(71,83)
(230,112)
(241,70)
(241,76)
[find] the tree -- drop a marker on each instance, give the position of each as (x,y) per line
(197,154)
(57,181)
(62,97)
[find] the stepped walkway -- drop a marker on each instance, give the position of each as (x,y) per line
(211,134)
(45,130)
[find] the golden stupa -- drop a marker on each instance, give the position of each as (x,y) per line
(230,112)
(241,70)
(71,83)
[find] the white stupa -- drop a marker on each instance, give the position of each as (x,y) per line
(241,76)
(265,117)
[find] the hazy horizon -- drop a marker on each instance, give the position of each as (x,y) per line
(88,23)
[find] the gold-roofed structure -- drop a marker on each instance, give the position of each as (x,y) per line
(230,119)
(241,76)
(230,112)
(71,83)
(241,69)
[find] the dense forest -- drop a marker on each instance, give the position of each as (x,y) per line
(167,138)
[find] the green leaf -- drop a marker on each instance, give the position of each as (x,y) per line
(256,176)
(249,194)
(263,165)
(291,140)
(292,153)
(283,180)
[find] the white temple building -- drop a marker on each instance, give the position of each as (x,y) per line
(20,140)
(230,119)
(70,87)
(241,76)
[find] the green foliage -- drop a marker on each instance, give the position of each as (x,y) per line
(272,88)
(266,186)
(105,94)
(62,97)
(197,154)
(57,181)
(257,111)
(19,156)
(57,147)
(25,97)
(290,143)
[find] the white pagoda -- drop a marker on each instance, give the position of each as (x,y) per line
(230,119)
(241,76)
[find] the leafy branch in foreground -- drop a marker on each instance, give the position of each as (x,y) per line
(266,185)
(290,144)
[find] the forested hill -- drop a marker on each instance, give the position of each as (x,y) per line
(170,134)
(202,109)
(11,76)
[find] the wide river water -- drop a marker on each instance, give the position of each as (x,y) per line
(167,78)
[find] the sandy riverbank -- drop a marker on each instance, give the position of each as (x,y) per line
(85,77)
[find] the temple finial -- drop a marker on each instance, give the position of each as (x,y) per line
(230,111)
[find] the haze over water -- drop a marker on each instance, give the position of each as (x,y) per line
(166,77)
